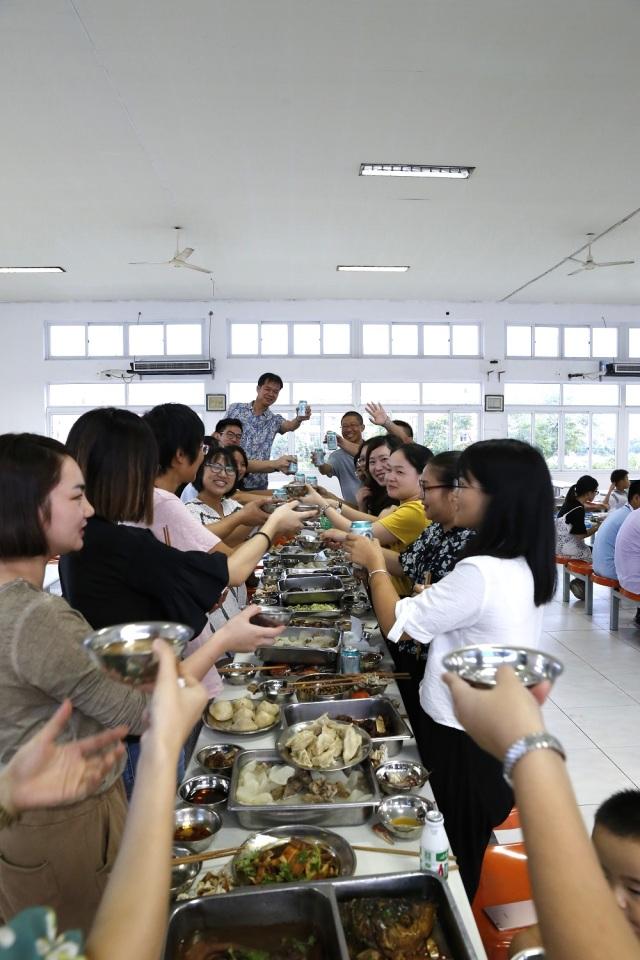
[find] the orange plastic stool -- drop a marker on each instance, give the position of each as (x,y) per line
(582,570)
(504,879)
(562,561)
(616,599)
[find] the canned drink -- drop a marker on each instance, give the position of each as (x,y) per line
(434,846)
(293,466)
(318,456)
(300,476)
(364,528)
(279,494)
(332,440)
(311,480)
(349,660)
(301,409)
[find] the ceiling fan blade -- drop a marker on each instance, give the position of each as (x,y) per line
(575,260)
(573,272)
(184,254)
(192,266)
(614,263)
(149,263)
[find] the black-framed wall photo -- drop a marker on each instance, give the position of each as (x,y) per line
(494,403)
(216,402)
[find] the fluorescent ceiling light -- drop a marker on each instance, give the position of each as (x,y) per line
(32,270)
(414,170)
(360,268)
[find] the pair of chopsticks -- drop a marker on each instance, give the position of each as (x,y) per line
(348,678)
(229,851)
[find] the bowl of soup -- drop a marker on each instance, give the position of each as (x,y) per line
(126,650)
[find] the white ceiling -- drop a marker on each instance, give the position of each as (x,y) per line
(245,122)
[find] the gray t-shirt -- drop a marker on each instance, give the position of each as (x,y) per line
(344,468)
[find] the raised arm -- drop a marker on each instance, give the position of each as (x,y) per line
(271,466)
(379,416)
(288,425)
(244,558)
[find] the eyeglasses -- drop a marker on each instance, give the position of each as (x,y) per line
(460,484)
(205,448)
(236,437)
(220,468)
(361,461)
(434,486)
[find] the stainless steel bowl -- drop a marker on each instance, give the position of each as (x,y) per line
(401,776)
(370,660)
(183,876)
(268,616)
(313,687)
(277,691)
(126,649)
(189,817)
(235,672)
(404,815)
(478,665)
(189,790)
(342,851)
(225,755)
(339,764)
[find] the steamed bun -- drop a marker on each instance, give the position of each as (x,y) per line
(221,710)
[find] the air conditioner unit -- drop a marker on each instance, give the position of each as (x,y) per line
(174,368)
(622,369)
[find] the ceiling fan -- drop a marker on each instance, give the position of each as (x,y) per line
(179,259)
(591,264)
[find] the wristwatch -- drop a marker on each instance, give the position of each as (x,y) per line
(519,749)
(530,953)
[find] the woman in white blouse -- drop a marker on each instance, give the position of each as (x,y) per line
(495,594)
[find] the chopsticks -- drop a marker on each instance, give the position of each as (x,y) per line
(207,855)
(166,535)
(363,848)
(391,850)
(348,678)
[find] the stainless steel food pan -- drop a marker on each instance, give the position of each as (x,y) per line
(306,653)
(315,589)
(359,710)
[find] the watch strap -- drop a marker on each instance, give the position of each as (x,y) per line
(519,749)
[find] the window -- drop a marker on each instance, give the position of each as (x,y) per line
(245,391)
(590,341)
(577,342)
(280,339)
(632,395)
(274,339)
(633,459)
(453,430)
(323,393)
(375,339)
(465,340)
(436,339)
(546,342)
(244,338)
(604,342)
(518,341)
(590,395)
(454,394)
(389,393)
(306,338)
(86,394)
(124,340)
(404,339)
(531,394)
(336,338)
(634,342)
(451,339)
(147,394)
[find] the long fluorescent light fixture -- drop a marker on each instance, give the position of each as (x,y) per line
(32,270)
(364,268)
(414,170)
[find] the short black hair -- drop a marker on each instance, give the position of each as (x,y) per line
(175,427)
(634,490)
(618,475)
(405,426)
(214,456)
(30,467)
(353,413)
(118,455)
(446,466)
(273,377)
(620,814)
(415,454)
(518,521)
(228,422)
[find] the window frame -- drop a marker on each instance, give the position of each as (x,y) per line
(126,326)
(231,322)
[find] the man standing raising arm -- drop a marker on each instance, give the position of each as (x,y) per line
(260,428)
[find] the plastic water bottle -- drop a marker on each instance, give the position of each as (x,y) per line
(434,846)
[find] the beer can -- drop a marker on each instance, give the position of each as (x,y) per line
(364,528)
(300,478)
(311,480)
(301,409)
(434,846)
(350,660)
(332,440)
(318,456)
(293,466)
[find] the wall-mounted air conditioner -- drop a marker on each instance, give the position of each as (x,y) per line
(174,368)
(622,369)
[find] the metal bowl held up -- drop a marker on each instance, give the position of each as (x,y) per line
(127,648)
(195,827)
(268,616)
(404,815)
(478,665)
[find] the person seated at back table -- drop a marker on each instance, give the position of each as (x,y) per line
(616,838)
(604,544)
(571,528)
(627,551)
(617,494)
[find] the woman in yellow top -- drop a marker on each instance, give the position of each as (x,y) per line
(402,524)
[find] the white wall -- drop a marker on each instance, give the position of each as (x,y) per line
(24,373)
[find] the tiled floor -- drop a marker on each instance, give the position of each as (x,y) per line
(594,708)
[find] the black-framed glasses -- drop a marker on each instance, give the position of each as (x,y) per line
(434,486)
(221,468)
(461,484)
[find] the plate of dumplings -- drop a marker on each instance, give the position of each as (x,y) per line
(242,717)
(323,744)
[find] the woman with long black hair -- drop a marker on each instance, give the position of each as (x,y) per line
(495,594)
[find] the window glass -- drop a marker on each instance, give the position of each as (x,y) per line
(464,430)
(465,340)
(633,459)
(306,338)
(245,391)
(576,441)
(531,394)
(274,339)
(545,342)
(60,424)
(184,339)
(603,440)
(147,394)
(519,427)
(308,437)
(280,444)
(386,393)
(323,393)
(590,394)
(577,342)
(410,418)
(546,436)
(604,342)
(437,339)
(404,339)
(86,394)
(436,432)
(105,340)
(632,393)
(634,342)
(68,340)
(455,394)
(146,339)
(518,341)
(375,339)
(244,338)
(336,338)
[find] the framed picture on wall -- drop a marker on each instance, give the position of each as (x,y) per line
(494,403)
(216,402)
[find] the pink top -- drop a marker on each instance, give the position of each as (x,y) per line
(175,525)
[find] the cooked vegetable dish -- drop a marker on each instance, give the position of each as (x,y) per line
(289,861)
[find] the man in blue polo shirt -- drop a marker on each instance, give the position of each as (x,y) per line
(604,545)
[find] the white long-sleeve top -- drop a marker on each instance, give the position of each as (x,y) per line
(483,600)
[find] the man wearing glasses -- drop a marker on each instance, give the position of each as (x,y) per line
(228,432)
(340,463)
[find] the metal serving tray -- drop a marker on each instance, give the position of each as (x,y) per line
(359,710)
(315,589)
(313,656)
(326,568)
(253,817)
(260,908)
(449,931)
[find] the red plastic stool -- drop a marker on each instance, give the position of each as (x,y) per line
(504,879)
